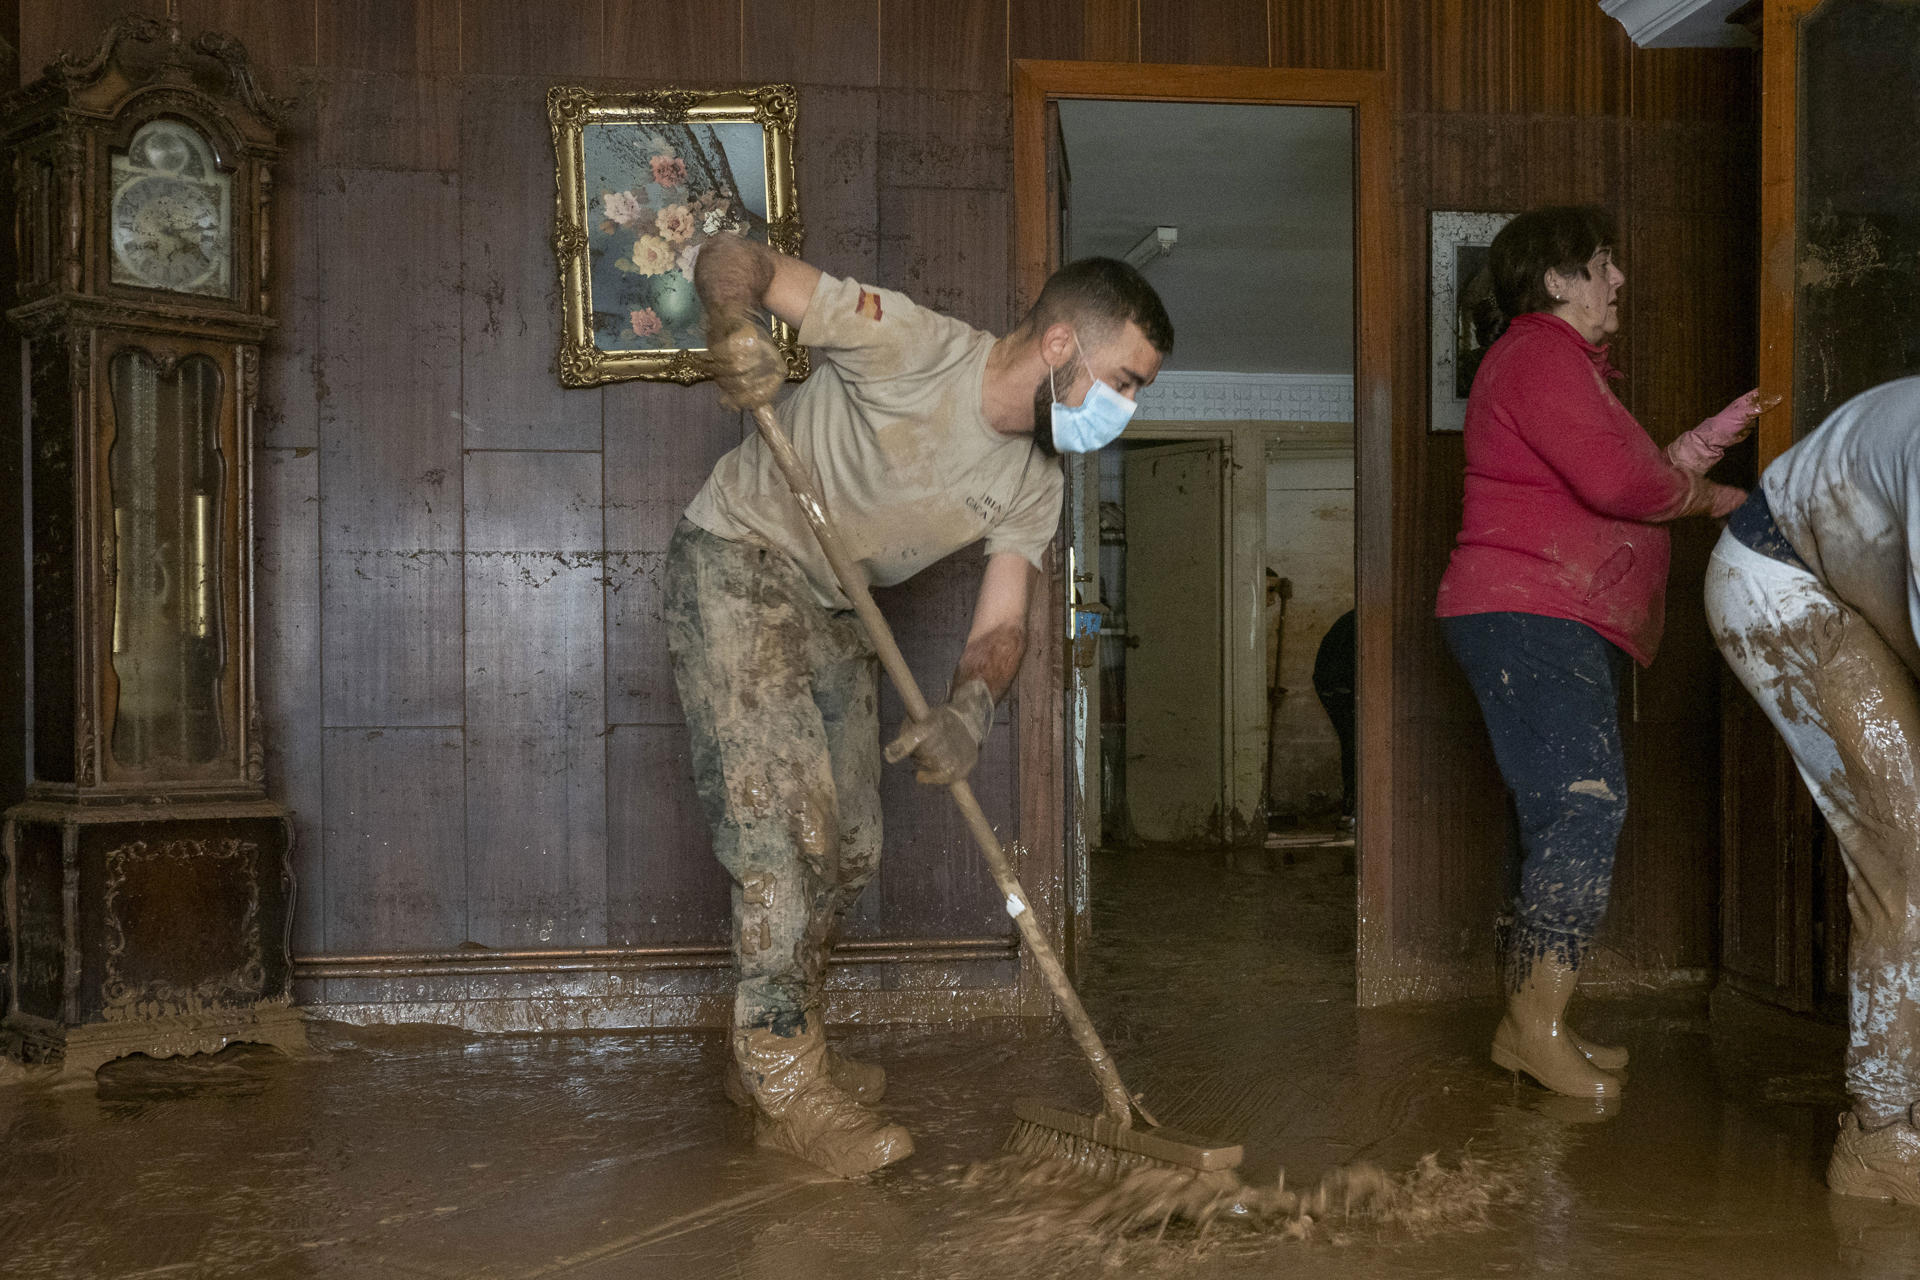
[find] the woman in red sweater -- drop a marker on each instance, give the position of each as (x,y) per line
(1557,581)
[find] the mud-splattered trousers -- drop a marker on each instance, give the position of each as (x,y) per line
(1849,711)
(782,701)
(1548,690)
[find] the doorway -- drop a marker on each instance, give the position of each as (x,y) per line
(1060,705)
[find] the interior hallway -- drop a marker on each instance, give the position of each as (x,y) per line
(1227,997)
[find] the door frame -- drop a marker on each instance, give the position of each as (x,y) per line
(1043,681)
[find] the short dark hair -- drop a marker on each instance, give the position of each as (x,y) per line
(1102,294)
(1560,238)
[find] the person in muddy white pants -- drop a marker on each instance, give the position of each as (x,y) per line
(925,435)
(1813,594)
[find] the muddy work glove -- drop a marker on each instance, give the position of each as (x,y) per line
(946,745)
(743,359)
(1703,498)
(1700,448)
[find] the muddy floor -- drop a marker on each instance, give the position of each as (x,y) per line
(1227,996)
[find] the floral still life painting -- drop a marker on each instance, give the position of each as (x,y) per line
(644,181)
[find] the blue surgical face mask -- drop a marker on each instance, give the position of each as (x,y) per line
(1097,420)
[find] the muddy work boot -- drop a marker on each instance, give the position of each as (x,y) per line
(799,1110)
(1881,1163)
(1533,1038)
(864,1082)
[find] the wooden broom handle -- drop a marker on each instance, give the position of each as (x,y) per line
(1119,1106)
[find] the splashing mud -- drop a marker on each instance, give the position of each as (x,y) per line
(1050,1210)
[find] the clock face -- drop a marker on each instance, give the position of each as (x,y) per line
(171,223)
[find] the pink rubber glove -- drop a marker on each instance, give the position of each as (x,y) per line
(1700,448)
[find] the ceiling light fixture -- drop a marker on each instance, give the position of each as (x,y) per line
(1157,243)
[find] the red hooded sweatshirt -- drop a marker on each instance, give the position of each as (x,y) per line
(1564,493)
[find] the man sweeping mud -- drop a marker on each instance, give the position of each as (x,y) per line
(1813,594)
(925,435)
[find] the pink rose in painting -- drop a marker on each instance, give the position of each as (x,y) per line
(645,323)
(676,223)
(652,255)
(670,171)
(621,206)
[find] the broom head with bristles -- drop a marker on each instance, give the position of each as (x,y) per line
(1103,1148)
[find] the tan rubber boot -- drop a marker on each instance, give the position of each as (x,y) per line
(1607,1057)
(863,1081)
(799,1110)
(1879,1164)
(1532,1038)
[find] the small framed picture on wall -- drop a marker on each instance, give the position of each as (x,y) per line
(642,182)
(1463,309)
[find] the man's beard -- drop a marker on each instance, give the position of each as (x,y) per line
(1043,408)
(1043,421)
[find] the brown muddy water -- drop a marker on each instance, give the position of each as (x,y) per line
(1227,999)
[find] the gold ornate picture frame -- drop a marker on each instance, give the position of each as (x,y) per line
(642,180)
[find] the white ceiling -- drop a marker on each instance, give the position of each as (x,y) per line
(1673,24)
(1262,280)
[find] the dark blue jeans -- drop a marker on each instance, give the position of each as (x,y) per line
(1549,691)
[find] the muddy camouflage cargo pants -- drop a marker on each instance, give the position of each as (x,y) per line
(782,701)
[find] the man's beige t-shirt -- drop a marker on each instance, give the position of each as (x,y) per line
(890,425)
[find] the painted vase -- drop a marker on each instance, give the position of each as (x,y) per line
(674,299)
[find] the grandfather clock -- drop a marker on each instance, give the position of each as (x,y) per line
(148,888)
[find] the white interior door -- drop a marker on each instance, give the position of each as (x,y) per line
(1175,678)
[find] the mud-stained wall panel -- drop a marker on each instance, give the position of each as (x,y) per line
(382,120)
(287,627)
(1666,876)
(390,469)
(662,441)
(1576,162)
(663,885)
(395,840)
(535,701)
(947,249)
(510,393)
(932,881)
(288,414)
(838,177)
(945,139)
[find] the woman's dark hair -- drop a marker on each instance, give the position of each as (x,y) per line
(1561,238)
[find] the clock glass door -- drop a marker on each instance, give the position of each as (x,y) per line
(169,643)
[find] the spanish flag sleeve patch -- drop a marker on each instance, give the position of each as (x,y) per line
(868,305)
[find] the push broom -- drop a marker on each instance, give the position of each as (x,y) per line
(1104,1145)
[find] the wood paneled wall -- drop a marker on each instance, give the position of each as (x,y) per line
(469,704)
